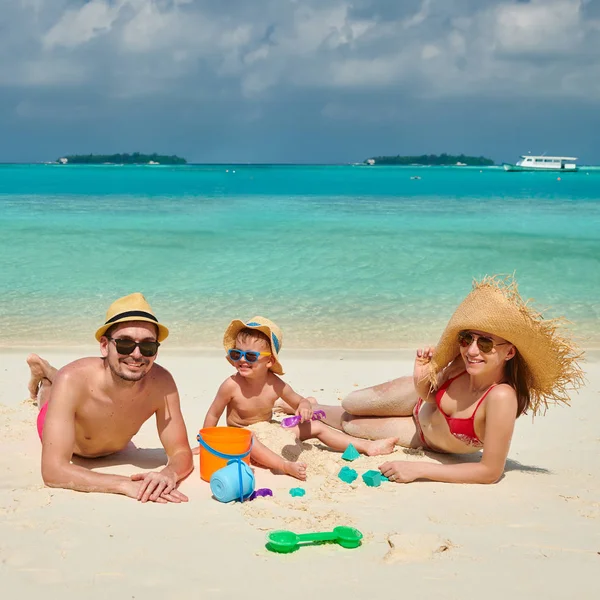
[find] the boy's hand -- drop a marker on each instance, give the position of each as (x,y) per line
(305,410)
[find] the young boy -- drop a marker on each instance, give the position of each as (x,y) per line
(249,395)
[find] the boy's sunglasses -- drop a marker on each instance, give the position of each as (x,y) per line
(485,344)
(249,355)
(125,347)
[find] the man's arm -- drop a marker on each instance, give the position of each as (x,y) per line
(59,440)
(173,436)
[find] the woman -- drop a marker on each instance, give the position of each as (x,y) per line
(496,359)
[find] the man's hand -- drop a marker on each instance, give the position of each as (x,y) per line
(305,410)
(157,487)
(401,471)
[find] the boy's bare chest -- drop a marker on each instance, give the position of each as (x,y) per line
(253,408)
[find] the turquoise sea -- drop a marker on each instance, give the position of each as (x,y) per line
(339,256)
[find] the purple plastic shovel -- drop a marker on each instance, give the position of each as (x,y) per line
(295,420)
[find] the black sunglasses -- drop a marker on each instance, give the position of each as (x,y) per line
(485,344)
(125,347)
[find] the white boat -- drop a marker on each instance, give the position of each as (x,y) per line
(543,163)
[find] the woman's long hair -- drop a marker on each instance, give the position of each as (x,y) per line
(515,376)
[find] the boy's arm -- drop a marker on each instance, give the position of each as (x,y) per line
(302,406)
(222,399)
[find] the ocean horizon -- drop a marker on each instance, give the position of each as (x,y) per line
(340,256)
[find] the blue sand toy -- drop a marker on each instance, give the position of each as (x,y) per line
(372,478)
(347,474)
(223,484)
(351,453)
(297,492)
(226,482)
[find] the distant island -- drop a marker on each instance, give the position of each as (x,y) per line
(432,159)
(121,159)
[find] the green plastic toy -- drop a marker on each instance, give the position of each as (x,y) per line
(351,453)
(372,478)
(287,541)
(297,492)
(347,474)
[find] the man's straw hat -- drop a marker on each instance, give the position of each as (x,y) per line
(269,328)
(131,308)
(550,357)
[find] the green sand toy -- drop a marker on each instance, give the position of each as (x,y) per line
(288,541)
(347,474)
(351,453)
(372,478)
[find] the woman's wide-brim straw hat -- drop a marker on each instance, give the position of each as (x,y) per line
(550,357)
(131,308)
(269,328)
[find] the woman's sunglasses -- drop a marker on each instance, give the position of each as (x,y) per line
(249,355)
(125,347)
(485,344)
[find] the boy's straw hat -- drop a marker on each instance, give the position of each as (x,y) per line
(495,306)
(269,328)
(131,308)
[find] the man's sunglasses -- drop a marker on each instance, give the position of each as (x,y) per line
(485,344)
(125,347)
(249,355)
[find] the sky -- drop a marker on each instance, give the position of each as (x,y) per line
(299,81)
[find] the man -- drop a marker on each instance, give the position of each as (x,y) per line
(94,406)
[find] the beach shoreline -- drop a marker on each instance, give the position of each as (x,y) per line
(533,533)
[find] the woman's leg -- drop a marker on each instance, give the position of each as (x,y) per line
(376,413)
(396,398)
(378,428)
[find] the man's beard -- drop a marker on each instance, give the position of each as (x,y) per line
(128,376)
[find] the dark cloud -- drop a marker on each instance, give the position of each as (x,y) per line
(269,80)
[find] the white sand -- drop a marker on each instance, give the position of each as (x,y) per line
(534,534)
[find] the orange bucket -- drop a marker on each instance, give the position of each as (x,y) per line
(232,441)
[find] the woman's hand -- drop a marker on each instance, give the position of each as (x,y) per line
(401,471)
(422,360)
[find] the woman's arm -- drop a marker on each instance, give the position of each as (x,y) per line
(501,410)
(421,374)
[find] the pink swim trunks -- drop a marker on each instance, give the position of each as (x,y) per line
(41,419)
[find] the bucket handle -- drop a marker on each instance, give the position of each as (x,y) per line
(231,458)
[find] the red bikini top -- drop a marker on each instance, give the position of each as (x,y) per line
(462,429)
